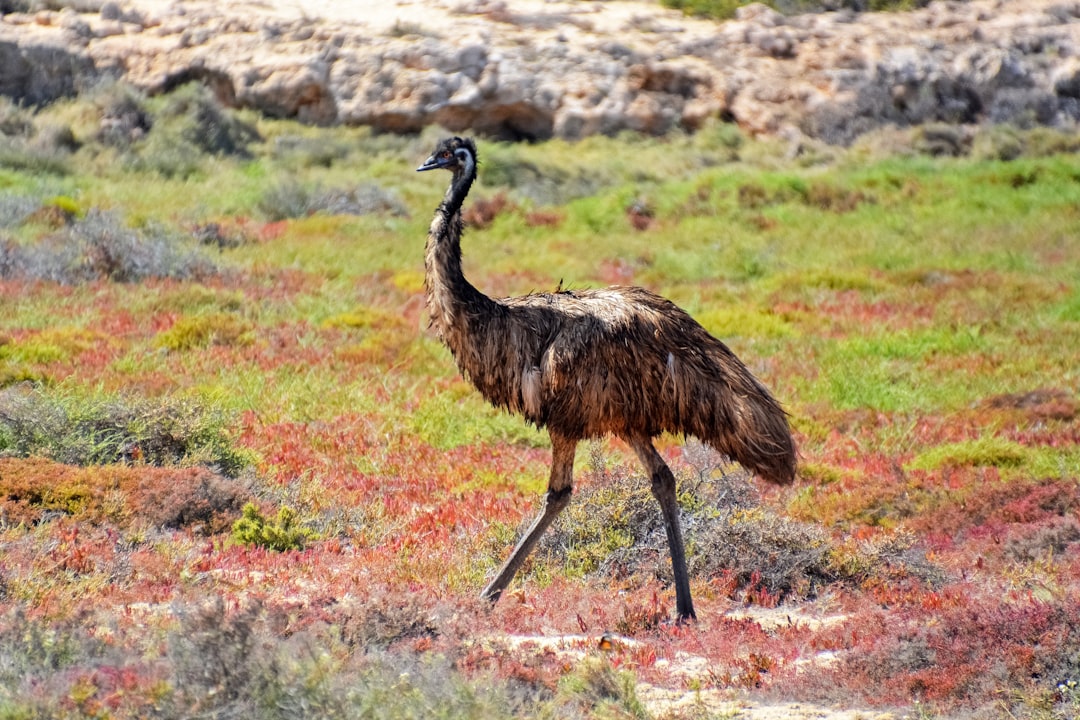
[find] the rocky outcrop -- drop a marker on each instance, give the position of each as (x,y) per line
(570,69)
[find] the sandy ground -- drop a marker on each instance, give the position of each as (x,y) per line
(687,667)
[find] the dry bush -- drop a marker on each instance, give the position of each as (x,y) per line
(613,529)
(124,117)
(103,430)
(36,489)
(221,235)
(640,214)
(224,663)
(544,218)
(483,211)
(26,146)
(290,199)
(16,209)
(99,247)
(960,652)
(250,663)
(387,616)
(757,549)
(301,151)
(1041,404)
(834,199)
(596,689)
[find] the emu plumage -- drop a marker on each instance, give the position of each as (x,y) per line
(582,364)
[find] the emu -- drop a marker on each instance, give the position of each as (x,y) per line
(586,363)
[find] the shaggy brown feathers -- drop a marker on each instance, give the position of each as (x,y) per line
(585,363)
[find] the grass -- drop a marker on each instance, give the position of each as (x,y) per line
(172,348)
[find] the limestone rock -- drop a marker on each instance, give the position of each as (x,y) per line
(540,68)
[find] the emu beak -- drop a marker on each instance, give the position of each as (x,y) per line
(432,163)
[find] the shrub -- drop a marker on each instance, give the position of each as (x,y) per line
(759,550)
(34,489)
(965,652)
(97,430)
(547,184)
(1050,540)
(598,689)
(33,158)
(280,534)
(298,150)
(179,130)
(99,247)
(384,617)
(225,663)
(613,528)
(290,199)
(124,117)
(15,209)
(482,212)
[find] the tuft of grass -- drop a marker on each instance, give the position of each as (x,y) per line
(985,451)
(195,331)
(52,344)
(744,322)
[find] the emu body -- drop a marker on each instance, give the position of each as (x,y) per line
(581,364)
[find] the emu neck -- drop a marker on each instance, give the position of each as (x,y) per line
(451,299)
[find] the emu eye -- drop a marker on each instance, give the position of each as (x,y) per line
(446,153)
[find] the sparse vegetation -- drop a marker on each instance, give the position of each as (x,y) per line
(201,309)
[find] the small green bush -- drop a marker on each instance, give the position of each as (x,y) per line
(280,534)
(175,132)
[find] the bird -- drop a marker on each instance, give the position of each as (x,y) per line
(586,363)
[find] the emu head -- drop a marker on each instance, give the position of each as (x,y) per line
(454,154)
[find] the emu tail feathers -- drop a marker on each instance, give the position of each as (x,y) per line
(742,419)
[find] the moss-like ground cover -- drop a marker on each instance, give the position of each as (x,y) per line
(192,322)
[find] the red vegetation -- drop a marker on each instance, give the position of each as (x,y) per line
(481,212)
(34,489)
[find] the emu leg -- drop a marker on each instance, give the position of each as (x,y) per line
(663,489)
(557,497)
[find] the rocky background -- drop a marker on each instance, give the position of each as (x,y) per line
(533,69)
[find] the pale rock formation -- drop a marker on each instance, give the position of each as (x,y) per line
(535,69)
